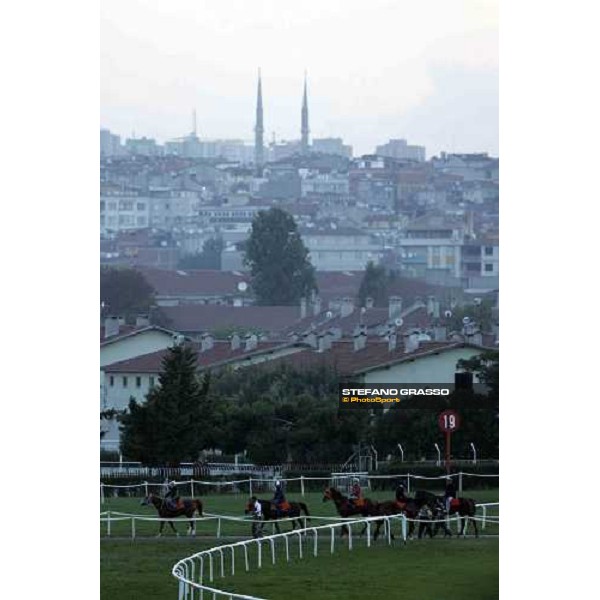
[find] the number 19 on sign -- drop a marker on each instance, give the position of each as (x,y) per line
(448,422)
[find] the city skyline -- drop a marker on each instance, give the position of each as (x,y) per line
(374,74)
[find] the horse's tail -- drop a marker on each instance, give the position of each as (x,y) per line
(304,508)
(471,507)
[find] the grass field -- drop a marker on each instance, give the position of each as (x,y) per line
(423,569)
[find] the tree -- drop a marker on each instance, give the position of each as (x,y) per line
(125,292)
(375,284)
(278,260)
(175,422)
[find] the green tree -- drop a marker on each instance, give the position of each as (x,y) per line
(125,292)
(176,421)
(278,260)
(375,284)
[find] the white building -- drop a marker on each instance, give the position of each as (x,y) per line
(170,208)
(110,144)
(123,211)
(342,249)
(331,146)
(401,150)
(333,183)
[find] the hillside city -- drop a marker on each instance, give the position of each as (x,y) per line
(180,214)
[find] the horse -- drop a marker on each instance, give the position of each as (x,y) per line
(364,507)
(464,507)
(407,506)
(185,507)
(271,512)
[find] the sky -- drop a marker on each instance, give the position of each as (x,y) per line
(424,70)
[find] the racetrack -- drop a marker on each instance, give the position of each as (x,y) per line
(428,569)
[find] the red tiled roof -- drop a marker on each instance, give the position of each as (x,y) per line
(219,353)
(193,282)
(209,317)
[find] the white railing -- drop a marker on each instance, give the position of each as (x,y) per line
(197,485)
(110,517)
(190,572)
(192,578)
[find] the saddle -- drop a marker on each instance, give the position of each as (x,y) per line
(175,504)
(358,502)
(455,503)
(400,505)
(285,506)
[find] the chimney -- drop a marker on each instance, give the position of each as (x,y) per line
(395,307)
(310,339)
(121,320)
(360,341)
(336,333)
(236,342)
(251,342)
(324,341)
(369,302)
(317,306)
(207,341)
(237,302)
(111,327)
(303,308)
(142,321)
(347,307)
(411,342)
(440,334)
(392,339)
(430,305)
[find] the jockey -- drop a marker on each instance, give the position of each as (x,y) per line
(400,494)
(278,497)
(355,491)
(450,493)
(171,497)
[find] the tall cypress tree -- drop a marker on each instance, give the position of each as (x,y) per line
(169,428)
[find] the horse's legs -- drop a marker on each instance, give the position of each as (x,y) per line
(475,527)
(173,528)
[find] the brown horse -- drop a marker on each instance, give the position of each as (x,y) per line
(464,507)
(408,506)
(271,512)
(185,507)
(345,508)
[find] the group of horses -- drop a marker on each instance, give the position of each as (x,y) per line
(410,507)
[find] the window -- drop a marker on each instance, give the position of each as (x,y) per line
(151,381)
(112,381)
(141,206)
(112,206)
(138,382)
(489,268)
(124,382)
(489,250)
(126,205)
(102,205)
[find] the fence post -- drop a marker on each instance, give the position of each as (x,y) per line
(133,528)
(192,486)
(302,485)
(408,484)
(460,483)
(404,528)
(108,524)
(218,527)
(146,487)
(484,516)
(250,482)
(101,493)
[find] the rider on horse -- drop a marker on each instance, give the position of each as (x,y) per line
(278,498)
(450,493)
(355,492)
(171,497)
(400,493)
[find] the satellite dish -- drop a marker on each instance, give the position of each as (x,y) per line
(242,286)
(398,322)
(477,301)
(448,314)
(466,320)
(329,314)
(363,310)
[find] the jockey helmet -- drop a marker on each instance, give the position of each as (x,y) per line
(356,480)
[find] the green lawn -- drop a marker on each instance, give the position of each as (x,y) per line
(422,569)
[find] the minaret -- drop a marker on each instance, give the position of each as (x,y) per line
(259,152)
(304,129)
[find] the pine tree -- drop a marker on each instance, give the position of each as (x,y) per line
(172,425)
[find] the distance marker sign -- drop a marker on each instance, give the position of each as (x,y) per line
(449,421)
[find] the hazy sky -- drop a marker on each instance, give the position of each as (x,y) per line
(424,70)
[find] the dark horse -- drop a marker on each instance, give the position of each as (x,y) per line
(464,507)
(293,511)
(186,507)
(345,508)
(407,506)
